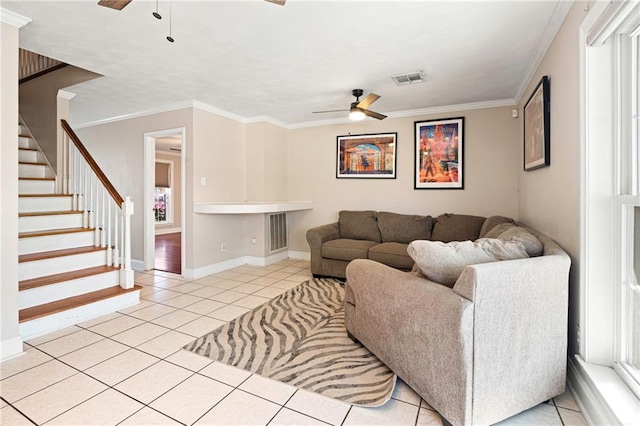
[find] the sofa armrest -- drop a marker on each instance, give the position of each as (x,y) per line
(519,331)
(316,237)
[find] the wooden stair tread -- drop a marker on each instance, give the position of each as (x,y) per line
(64,276)
(35,178)
(24,136)
(54,232)
(58,253)
(31,163)
(29,149)
(44,195)
(72,302)
(56,213)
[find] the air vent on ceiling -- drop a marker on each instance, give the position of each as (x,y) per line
(409,78)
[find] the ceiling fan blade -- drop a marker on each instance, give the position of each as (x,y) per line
(374,114)
(371,98)
(332,110)
(278,2)
(114,4)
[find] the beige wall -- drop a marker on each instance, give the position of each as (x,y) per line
(548,198)
(176,190)
(38,105)
(10,342)
(118,148)
(490,181)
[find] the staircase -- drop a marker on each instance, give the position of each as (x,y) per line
(67,273)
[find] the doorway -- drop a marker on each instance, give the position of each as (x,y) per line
(164,238)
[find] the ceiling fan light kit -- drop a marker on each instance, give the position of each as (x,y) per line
(356,114)
(359,109)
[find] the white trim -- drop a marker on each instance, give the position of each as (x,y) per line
(12,18)
(164,231)
(63,94)
(266,261)
(137,265)
(267,119)
(553,26)
(214,268)
(11,348)
(601,394)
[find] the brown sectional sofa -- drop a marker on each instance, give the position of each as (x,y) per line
(384,237)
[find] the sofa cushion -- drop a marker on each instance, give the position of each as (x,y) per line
(391,254)
(404,228)
(521,235)
(359,225)
(491,223)
(498,229)
(346,249)
(457,227)
(444,262)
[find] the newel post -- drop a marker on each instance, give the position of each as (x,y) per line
(126,273)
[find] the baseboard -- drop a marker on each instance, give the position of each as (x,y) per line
(265,261)
(601,394)
(299,255)
(164,231)
(11,348)
(137,265)
(214,268)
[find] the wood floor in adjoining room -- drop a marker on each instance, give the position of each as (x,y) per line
(168,253)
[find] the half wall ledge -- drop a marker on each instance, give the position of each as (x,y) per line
(251,207)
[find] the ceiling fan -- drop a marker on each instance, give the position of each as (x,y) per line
(358,109)
(120,4)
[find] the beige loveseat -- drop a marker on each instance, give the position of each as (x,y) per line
(384,237)
(490,346)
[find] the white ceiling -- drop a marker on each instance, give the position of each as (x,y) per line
(254,59)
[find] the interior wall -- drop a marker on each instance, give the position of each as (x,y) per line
(118,148)
(10,341)
(176,189)
(549,198)
(38,105)
(490,172)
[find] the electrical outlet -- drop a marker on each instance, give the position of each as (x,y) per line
(223,247)
(254,240)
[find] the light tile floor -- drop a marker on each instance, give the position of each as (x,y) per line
(128,367)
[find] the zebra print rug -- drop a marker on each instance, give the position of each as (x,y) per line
(299,338)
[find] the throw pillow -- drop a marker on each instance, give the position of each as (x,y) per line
(498,229)
(444,262)
(491,223)
(521,235)
(456,227)
(359,225)
(404,228)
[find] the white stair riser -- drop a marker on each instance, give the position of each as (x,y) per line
(55,242)
(34,170)
(44,204)
(49,222)
(30,156)
(63,290)
(39,326)
(25,142)
(21,129)
(36,187)
(58,265)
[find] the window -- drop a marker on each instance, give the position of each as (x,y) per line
(628,205)
(162,202)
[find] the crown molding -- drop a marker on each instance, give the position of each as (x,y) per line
(63,94)
(167,108)
(267,119)
(214,110)
(553,26)
(12,18)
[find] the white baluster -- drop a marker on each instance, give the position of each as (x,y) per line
(105,224)
(96,211)
(116,238)
(82,196)
(108,231)
(126,274)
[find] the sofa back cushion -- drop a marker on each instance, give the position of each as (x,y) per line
(457,227)
(444,262)
(404,228)
(359,225)
(491,223)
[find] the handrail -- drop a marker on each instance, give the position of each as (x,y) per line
(92,163)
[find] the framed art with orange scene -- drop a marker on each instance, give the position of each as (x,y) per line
(537,128)
(439,154)
(367,156)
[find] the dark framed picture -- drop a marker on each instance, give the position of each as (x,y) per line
(537,130)
(439,154)
(367,156)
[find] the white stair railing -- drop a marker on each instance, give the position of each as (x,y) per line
(96,197)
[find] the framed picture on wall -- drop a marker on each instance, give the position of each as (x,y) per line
(366,156)
(537,130)
(439,154)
